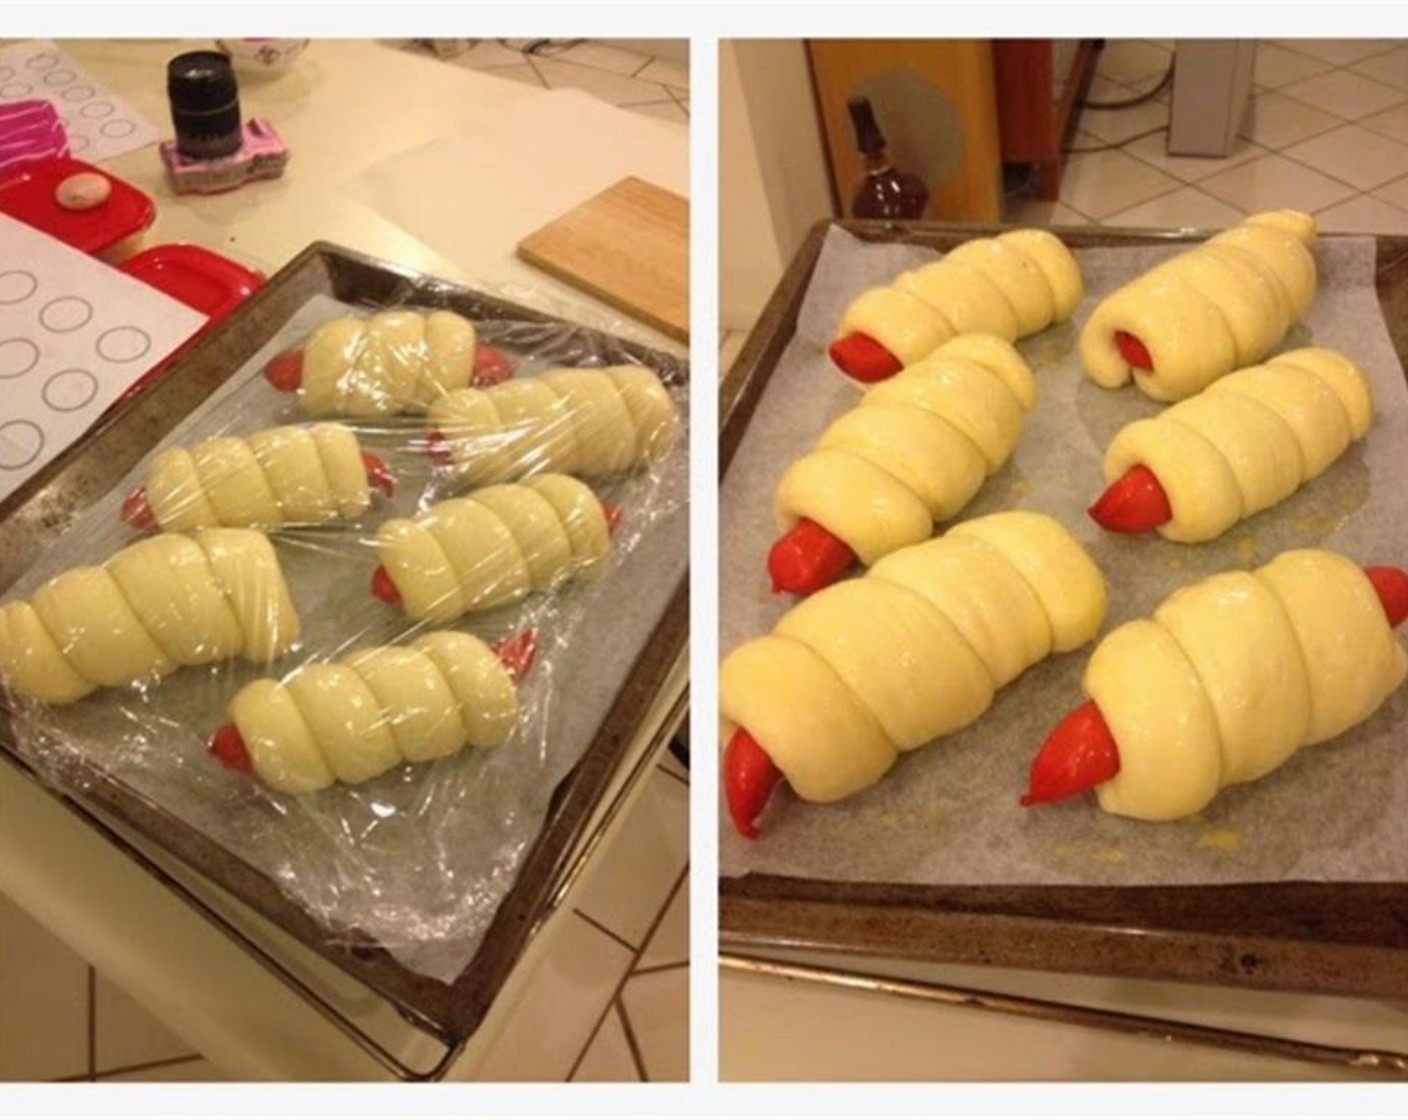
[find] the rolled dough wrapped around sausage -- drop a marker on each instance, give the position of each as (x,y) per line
(394,362)
(279,476)
(162,603)
(1011,286)
(494,547)
(590,422)
(915,450)
(1246,442)
(354,719)
(1220,306)
(913,650)
(1236,673)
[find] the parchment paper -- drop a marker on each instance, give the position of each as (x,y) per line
(947,814)
(419,858)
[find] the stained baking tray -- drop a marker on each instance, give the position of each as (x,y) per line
(1340,938)
(37,514)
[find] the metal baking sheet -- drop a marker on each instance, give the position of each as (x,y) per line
(615,681)
(1034,925)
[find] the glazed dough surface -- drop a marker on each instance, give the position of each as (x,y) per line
(162,603)
(593,422)
(275,477)
(494,547)
(1247,441)
(870,667)
(352,720)
(1236,673)
(394,362)
(915,450)
(1012,285)
(1217,307)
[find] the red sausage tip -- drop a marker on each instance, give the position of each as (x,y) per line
(285,371)
(517,653)
(1079,754)
(614,516)
(807,558)
(1134,503)
(1134,352)
(137,511)
(749,778)
(383,588)
(491,367)
(437,446)
(228,748)
(863,359)
(1391,586)
(379,474)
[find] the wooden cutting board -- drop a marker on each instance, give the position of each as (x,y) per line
(628,246)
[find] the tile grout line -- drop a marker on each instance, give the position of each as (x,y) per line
(629,1031)
(92,1021)
(629,970)
(666,770)
(651,970)
(601,927)
(141,1067)
(642,66)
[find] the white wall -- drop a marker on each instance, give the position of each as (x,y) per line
(773,179)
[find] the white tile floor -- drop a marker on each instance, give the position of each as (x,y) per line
(653,87)
(1326,131)
(609,1003)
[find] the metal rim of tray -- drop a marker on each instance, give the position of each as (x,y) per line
(1348,939)
(43,508)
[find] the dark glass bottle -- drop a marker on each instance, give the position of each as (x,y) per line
(883,191)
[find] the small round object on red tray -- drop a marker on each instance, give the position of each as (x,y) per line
(83,191)
(29,192)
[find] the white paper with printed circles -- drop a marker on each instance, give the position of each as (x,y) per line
(100,125)
(74,334)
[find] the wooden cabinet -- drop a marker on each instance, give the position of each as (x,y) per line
(935,102)
(1039,82)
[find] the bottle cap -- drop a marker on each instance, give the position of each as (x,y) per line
(868,136)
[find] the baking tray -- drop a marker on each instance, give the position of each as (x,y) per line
(37,514)
(1345,938)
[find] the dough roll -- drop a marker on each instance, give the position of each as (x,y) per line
(589,422)
(353,719)
(1197,317)
(494,547)
(914,451)
(913,650)
(280,476)
(1012,285)
(393,362)
(157,605)
(1236,673)
(1247,441)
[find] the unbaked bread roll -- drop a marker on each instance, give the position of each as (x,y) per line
(494,546)
(1012,285)
(279,476)
(393,362)
(592,422)
(1216,308)
(353,719)
(1236,673)
(915,450)
(913,650)
(1247,441)
(159,604)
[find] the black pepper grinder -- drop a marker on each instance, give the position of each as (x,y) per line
(205,105)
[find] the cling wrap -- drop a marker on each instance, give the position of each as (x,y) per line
(418,857)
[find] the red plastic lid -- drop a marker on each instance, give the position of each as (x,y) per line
(200,279)
(27,193)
